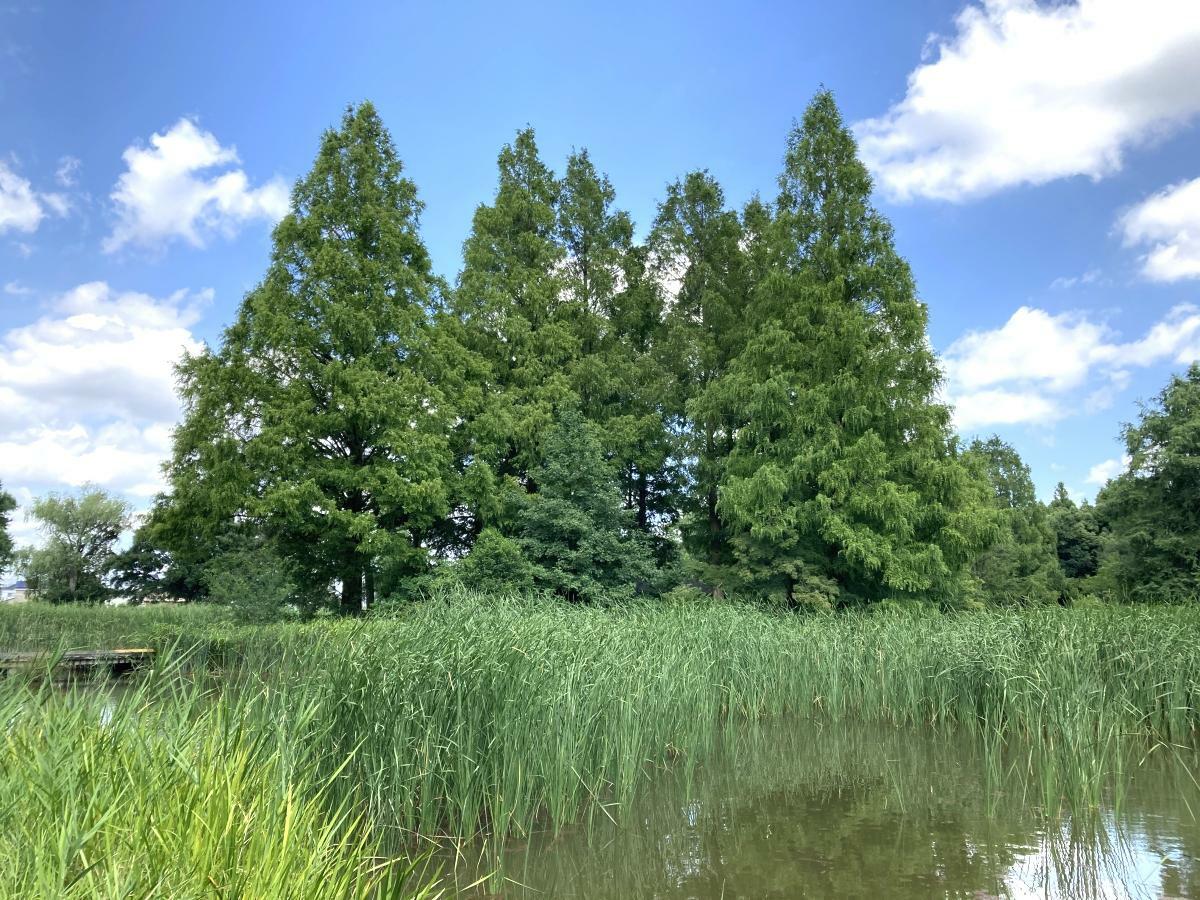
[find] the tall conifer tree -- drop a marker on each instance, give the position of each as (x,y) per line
(844,469)
(620,374)
(509,303)
(696,243)
(318,419)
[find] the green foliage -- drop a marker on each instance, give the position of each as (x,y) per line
(512,319)
(495,563)
(41,626)
(757,388)
(1022,566)
(148,571)
(7,504)
(622,376)
(472,712)
(318,418)
(81,534)
(582,543)
(1077,535)
(163,791)
(254,583)
(1153,508)
(845,467)
(696,245)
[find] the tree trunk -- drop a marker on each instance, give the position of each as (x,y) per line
(369,597)
(643,501)
(352,589)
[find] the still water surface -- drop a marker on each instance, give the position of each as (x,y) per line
(848,811)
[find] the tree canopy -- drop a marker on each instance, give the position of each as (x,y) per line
(81,532)
(844,467)
(320,418)
(7,504)
(1152,509)
(743,401)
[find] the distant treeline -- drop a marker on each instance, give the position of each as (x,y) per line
(744,403)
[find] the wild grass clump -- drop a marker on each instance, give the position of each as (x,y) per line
(164,791)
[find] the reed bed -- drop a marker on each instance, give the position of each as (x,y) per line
(505,716)
(470,715)
(41,626)
(160,791)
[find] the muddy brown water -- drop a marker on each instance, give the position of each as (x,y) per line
(838,810)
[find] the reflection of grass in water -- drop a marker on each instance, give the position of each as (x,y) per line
(473,714)
(853,811)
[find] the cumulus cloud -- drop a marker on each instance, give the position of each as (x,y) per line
(87,391)
(21,207)
(1031,370)
(184,186)
(1026,92)
(1100,473)
(1168,225)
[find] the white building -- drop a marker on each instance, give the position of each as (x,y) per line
(17,592)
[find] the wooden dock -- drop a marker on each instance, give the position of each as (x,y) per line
(114,663)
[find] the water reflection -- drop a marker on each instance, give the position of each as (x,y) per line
(850,811)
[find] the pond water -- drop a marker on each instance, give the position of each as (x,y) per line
(849,811)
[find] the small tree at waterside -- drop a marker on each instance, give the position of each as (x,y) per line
(582,542)
(1152,509)
(81,533)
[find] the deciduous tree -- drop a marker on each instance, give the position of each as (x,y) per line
(319,419)
(1021,566)
(845,467)
(1152,509)
(81,533)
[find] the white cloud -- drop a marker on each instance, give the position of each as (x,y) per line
(21,207)
(1100,473)
(16,289)
(1091,276)
(181,187)
(1004,407)
(1168,224)
(87,391)
(1032,368)
(67,173)
(1026,92)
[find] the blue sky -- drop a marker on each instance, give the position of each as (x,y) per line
(1041,164)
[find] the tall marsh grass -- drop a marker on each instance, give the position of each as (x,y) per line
(468,715)
(159,791)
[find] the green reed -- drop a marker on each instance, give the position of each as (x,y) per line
(468,715)
(162,790)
